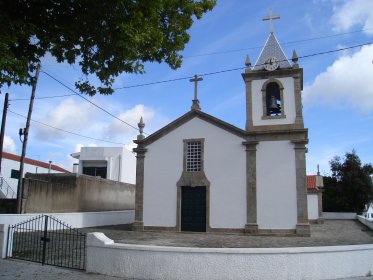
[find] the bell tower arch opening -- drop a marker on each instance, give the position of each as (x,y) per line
(273,99)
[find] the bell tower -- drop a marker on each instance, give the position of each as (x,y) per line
(275,144)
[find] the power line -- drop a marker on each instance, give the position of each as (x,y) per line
(185,78)
(188,77)
(43,97)
(66,131)
(284,43)
(86,99)
(240,68)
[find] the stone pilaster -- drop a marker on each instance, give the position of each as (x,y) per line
(251,226)
(298,99)
(249,105)
(303,227)
(139,196)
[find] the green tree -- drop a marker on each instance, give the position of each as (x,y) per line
(106,38)
(349,187)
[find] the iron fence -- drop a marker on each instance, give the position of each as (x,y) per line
(47,240)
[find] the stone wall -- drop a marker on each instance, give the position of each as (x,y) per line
(61,193)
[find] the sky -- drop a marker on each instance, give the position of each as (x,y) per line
(337,94)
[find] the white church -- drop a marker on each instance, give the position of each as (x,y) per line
(255,185)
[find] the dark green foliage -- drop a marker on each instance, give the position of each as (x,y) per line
(350,186)
(106,38)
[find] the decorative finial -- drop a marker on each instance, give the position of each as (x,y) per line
(248,61)
(195,104)
(270,17)
(294,58)
(141,126)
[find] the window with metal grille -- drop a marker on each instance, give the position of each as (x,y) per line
(193,160)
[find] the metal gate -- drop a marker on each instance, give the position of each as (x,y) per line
(47,240)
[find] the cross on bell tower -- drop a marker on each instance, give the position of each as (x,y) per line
(195,104)
(271,17)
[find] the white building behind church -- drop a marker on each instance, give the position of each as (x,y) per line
(112,163)
(186,181)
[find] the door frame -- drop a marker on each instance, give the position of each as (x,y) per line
(178,214)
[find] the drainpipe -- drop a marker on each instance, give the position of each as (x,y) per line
(50,166)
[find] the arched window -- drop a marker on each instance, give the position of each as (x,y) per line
(273,99)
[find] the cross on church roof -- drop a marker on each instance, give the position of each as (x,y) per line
(195,104)
(271,17)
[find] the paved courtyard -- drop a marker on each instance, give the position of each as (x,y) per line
(331,233)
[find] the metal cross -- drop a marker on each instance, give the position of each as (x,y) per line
(196,79)
(270,17)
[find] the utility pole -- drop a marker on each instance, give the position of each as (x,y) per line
(2,133)
(24,146)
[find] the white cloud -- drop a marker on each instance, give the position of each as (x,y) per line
(348,82)
(79,146)
(353,13)
(9,145)
(119,130)
(68,115)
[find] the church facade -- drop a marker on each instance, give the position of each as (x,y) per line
(199,173)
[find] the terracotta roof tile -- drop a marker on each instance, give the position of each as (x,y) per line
(311,182)
(34,162)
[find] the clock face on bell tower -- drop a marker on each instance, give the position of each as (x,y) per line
(271,63)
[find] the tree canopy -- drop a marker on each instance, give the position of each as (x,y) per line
(349,187)
(106,38)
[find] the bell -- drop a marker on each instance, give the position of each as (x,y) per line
(274,108)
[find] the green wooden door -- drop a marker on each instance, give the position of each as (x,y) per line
(193,209)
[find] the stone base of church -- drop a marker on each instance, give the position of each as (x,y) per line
(317,221)
(160,228)
(251,229)
(138,226)
(303,229)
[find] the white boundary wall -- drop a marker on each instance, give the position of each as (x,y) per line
(159,262)
(363,220)
(75,220)
(78,219)
(339,216)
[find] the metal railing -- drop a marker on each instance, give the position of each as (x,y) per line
(47,240)
(6,189)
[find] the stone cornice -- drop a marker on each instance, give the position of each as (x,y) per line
(280,73)
(184,119)
(278,135)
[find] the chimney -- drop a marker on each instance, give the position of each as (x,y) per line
(75,167)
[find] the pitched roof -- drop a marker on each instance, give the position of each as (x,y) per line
(311,182)
(272,48)
(187,117)
(34,162)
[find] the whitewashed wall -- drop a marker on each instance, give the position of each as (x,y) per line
(159,262)
(363,220)
(313,206)
(276,185)
(225,164)
(8,165)
(75,220)
(289,100)
(121,163)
